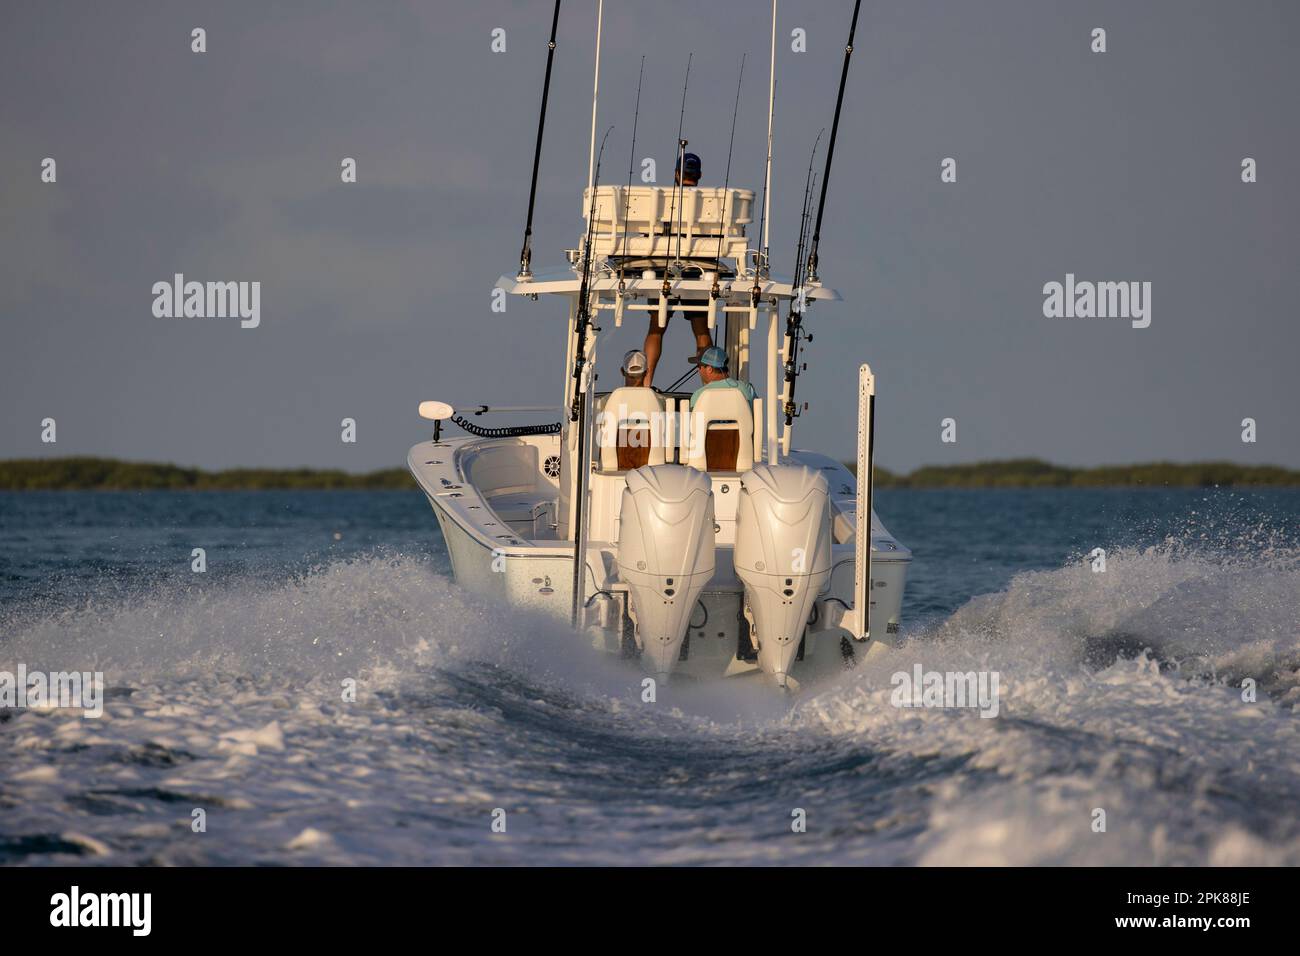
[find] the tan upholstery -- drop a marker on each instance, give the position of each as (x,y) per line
(630,430)
(721,432)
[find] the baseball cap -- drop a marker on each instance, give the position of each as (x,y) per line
(634,362)
(714,357)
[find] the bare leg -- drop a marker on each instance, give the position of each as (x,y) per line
(654,346)
(703,338)
(654,341)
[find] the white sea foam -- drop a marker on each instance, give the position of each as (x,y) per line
(1120,691)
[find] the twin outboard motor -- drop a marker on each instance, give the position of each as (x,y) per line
(665,554)
(783,556)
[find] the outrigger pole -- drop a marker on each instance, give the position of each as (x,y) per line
(767,175)
(794,327)
(830,149)
(526,255)
(595,95)
(763,265)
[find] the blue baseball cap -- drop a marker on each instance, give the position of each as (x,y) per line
(692,164)
(714,357)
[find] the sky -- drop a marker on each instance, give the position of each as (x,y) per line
(375,295)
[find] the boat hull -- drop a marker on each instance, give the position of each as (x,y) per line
(493,554)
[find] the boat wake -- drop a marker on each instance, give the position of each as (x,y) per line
(1119,692)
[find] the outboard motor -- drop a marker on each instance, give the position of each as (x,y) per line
(783,556)
(665,554)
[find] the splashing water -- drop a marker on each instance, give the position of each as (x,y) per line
(1119,692)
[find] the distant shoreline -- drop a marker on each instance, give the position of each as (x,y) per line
(1035,473)
(107,474)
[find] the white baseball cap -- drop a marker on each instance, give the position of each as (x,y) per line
(634,362)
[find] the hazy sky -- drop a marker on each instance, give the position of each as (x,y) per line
(225,166)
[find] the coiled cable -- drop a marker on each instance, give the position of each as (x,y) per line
(507,431)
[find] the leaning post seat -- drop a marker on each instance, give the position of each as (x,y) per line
(721,432)
(632,430)
(650,222)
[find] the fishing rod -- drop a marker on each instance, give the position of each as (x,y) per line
(681,159)
(681,154)
(762,264)
(761,260)
(584,306)
(830,149)
(627,196)
(794,320)
(681,381)
(794,327)
(809,179)
(579,411)
(767,174)
(526,254)
(715,293)
(595,88)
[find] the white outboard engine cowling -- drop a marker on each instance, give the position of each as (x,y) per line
(783,556)
(666,544)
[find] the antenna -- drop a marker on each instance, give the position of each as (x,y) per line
(526,254)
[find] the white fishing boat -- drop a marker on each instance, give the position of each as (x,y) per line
(695,541)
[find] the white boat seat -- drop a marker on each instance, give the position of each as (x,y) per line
(721,431)
(630,430)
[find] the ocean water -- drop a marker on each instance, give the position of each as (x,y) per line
(1119,691)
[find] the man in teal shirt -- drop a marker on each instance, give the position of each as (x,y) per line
(713,372)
